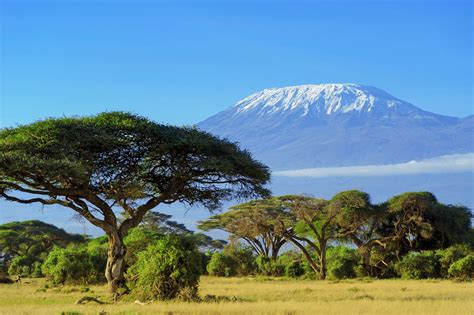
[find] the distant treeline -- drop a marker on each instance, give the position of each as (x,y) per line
(410,235)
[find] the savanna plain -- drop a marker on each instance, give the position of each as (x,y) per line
(257,296)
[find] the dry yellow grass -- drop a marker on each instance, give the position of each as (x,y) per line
(263,297)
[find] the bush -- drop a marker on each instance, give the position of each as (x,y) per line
(75,265)
(234,260)
(463,268)
(36,270)
(137,240)
(244,259)
(23,266)
(221,265)
(419,266)
(167,269)
(450,255)
(294,269)
(269,267)
(342,262)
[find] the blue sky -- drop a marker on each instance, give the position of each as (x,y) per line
(180,62)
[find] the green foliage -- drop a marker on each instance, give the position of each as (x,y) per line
(234,260)
(75,265)
(269,267)
(419,265)
(137,240)
(294,269)
(257,222)
(342,262)
(353,207)
(94,164)
(125,157)
(292,262)
(417,221)
(221,265)
(243,257)
(29,242)
(463,268)
(21,265)
(450,255)
(167,269)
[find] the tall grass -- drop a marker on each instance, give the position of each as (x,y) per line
(260,296)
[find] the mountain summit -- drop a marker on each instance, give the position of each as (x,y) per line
(321,99)
(337,125)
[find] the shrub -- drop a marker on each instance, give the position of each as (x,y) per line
(419,266)
(234,260)
(137,240)
(342,262)
(36,270)
(294,269)
(22,265)
(269,267)
(450,255)
(463,268)
(167,269)
(243,257)
(221,265)
(75,264)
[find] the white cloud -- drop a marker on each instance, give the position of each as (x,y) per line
(455,163)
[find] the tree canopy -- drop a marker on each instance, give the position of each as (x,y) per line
(256,222)
(33,238)
(382,233)
(99,164)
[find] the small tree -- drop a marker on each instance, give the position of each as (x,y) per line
(99,165)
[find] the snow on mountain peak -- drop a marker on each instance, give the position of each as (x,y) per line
(321,98)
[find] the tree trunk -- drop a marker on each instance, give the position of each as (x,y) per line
(322,261)
(115,268)
(366,253)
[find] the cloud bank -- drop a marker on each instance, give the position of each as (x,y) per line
(456,163)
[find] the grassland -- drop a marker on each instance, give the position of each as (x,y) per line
(259,296)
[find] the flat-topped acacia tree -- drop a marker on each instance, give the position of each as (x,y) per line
(101,165)
(257,222)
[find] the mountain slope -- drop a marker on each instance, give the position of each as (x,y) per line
(336,125)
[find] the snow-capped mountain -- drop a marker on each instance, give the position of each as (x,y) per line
(336,125)
(322,99)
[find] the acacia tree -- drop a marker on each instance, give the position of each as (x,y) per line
(100,165)
(33,238)
(256,222)
(311,222)
(417,221)
(360,221)
(162,223)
